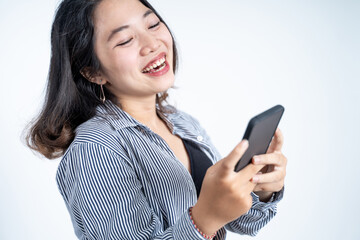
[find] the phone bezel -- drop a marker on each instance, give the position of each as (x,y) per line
(255,121)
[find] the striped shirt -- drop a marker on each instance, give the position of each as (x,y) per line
(120,180)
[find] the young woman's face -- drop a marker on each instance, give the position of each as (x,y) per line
(134,48)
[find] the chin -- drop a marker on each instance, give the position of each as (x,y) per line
(166,83)
(164,88)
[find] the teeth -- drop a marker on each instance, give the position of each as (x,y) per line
(156,64)
(161,68)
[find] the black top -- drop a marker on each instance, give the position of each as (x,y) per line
(199,163)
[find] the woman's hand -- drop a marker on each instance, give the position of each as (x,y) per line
(225,194)
(271,178)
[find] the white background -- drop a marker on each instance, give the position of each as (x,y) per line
(237,58)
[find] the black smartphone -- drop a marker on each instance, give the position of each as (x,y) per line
(259,133)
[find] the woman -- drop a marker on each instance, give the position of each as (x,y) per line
(133,167)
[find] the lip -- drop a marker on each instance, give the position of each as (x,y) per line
(161,55)
(161,72)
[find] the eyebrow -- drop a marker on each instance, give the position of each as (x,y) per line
(119,29)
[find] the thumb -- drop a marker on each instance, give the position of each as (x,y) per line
(230,161)
(277,142)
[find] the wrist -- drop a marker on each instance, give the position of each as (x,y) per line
(204,222)
(264,196)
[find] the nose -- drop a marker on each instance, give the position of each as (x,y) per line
(149,44)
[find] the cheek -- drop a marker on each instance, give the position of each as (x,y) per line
(119,66)
(166,37)
(125,61)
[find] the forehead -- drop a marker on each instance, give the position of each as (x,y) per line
(113,13)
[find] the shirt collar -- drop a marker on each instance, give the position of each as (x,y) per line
(120,119)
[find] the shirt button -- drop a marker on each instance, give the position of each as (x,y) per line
(200,138)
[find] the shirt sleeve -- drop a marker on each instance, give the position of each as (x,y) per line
(257,217)
(106,201)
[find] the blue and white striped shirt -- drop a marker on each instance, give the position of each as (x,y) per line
(120,180)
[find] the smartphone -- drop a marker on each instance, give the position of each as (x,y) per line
(259,133)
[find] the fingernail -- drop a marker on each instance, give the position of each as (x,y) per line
(256,159)
(245,143)
(255,179)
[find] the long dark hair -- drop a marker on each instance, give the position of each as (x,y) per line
(70,98)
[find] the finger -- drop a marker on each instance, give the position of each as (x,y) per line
(277,159)
(269,187)
(229,162)
(275,176)
(277,142)
(249,171)
(250,187)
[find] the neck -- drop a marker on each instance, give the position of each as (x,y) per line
(143,110)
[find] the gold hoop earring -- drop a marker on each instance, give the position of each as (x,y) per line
(102,94)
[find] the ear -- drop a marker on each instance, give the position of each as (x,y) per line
(97,77)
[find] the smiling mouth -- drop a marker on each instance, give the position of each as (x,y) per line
(156,67)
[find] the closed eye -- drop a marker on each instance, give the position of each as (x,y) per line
(124,43)
(155,25)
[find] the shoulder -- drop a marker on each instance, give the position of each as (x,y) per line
(95,154)
(97,145)
(99,133)
(96,130)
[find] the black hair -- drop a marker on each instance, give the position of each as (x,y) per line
(71,99)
